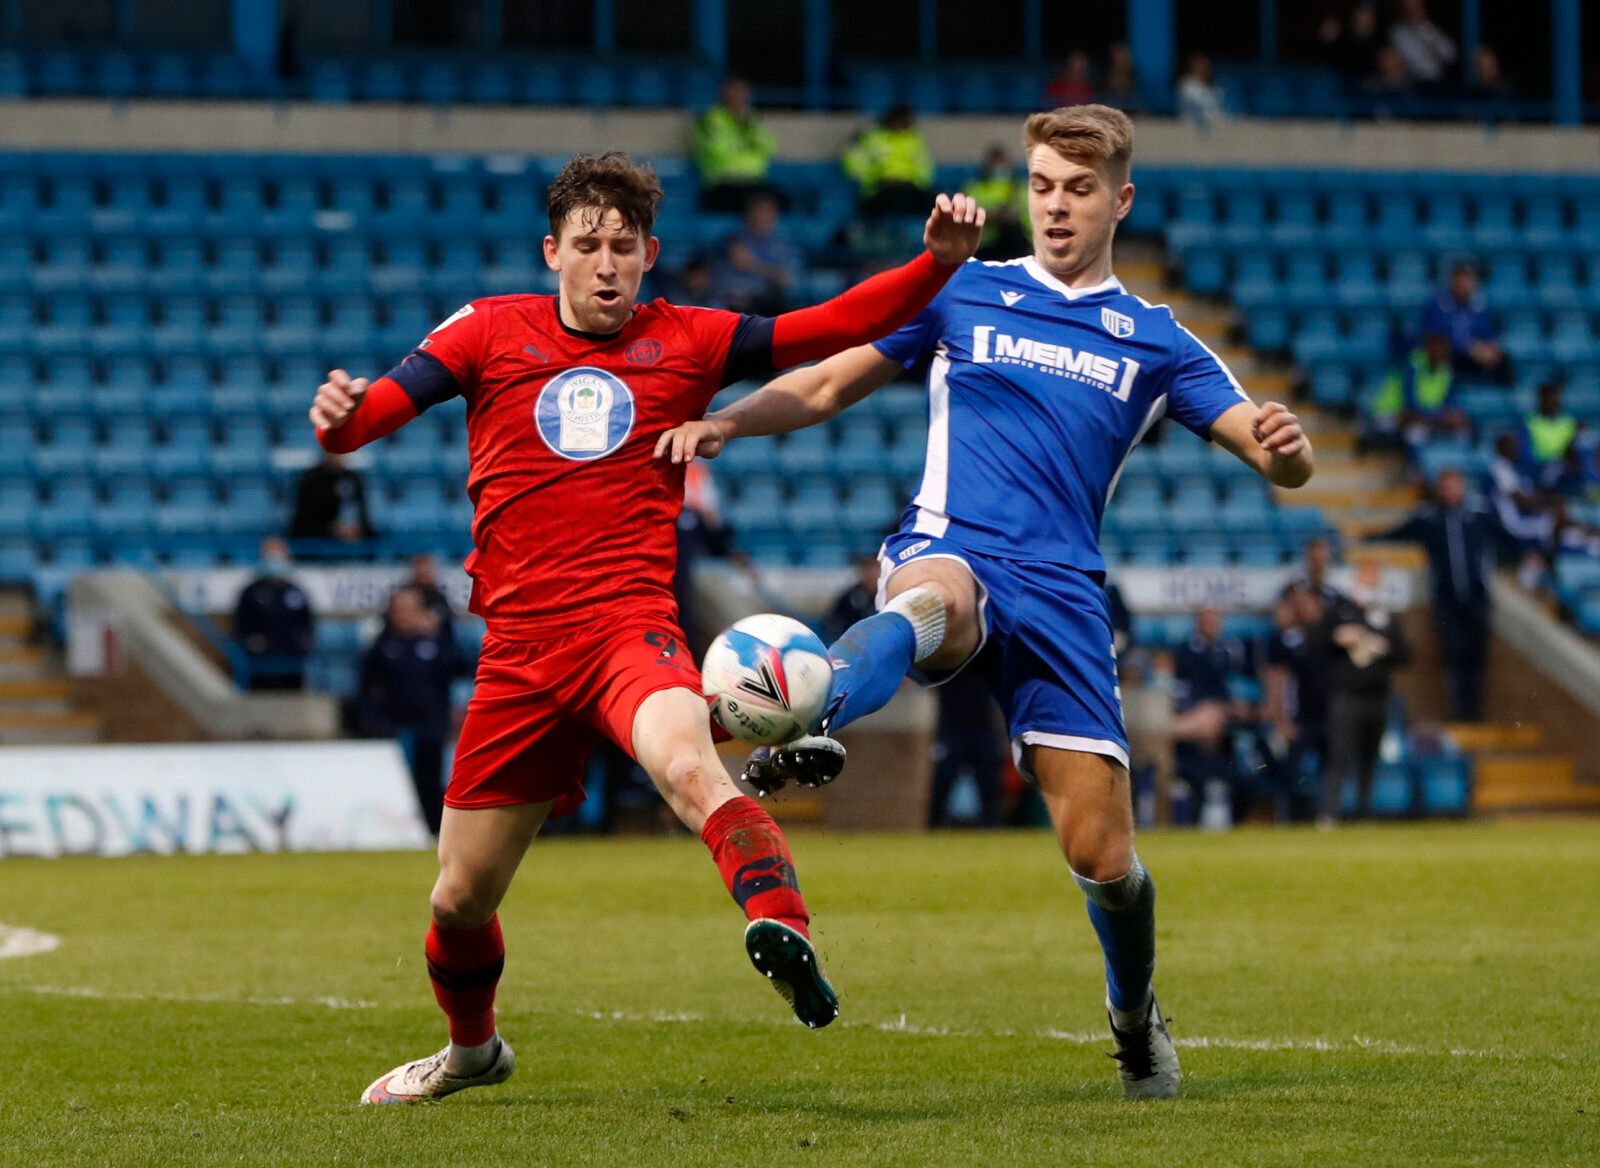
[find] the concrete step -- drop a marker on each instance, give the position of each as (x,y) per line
(15,626)
(34,690)
(1496,737)
(1357,523)
(23,662)
(1506,781)
(29,727)
(1346,499)
(1394,555)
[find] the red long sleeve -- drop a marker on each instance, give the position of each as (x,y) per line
(871,309)
(384,410)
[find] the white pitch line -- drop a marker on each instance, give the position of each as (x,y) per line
(98,995)
(900,1025)
(17,942)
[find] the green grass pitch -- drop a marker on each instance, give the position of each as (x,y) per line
(1400,995)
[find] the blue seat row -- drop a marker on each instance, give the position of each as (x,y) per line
(431,80)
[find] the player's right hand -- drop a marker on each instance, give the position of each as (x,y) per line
(954,229)
(337,399)
(681,443)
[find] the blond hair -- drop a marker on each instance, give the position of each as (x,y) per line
(1093,135)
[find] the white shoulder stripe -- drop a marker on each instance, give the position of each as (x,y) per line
(1221,364)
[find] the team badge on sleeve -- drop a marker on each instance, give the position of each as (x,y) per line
(584,413)
(1116,323)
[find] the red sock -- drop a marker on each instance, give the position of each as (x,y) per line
(755,863)
(465,965)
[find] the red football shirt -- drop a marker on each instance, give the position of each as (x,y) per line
(575,520)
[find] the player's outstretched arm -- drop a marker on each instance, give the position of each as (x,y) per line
(348,412)
(882,303)
(1270,439)
(800,398)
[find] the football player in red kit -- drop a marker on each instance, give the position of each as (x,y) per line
(572,569)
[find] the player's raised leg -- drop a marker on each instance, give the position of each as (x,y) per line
(1088,799)
(672,741)
(479,850)
(929,619)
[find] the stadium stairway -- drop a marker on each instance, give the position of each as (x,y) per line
(1515,772)
(36,705)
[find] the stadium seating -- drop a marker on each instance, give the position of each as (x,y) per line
(161,326)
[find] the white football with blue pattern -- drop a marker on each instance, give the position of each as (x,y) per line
(768,679)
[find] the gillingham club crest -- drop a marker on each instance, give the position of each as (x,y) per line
(584,413)
(1116,323)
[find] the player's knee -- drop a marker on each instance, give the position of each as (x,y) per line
(461,905)
(686,775)
(1096,854)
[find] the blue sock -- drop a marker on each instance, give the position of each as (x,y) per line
(876,653)
(1123,913)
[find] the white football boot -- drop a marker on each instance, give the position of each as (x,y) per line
(426,1079)
(1147,1063)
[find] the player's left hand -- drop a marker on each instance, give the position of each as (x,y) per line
(1278,431)
(954,229)
(681,443)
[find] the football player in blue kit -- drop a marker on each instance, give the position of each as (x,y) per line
(1043,375)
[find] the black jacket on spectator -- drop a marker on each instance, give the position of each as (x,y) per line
(1304,656)
(1355,672)
(1203,670)
(405,684)
(853,604)
(273,622)
(327,496)
(1460,542)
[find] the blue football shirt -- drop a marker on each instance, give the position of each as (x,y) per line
(1037,394)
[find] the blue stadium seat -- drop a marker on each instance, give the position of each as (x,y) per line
(13,77)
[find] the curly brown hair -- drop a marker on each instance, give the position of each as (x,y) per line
(596,184)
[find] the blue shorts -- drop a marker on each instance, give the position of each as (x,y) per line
(1044,646)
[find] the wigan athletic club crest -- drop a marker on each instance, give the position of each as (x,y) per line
(1116,323)
(584,413)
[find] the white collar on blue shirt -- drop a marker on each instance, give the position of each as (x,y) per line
(1034,269)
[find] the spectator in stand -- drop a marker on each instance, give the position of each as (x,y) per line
(855,603)
(273,623)
(1364,646)
(1001,190)
(969,739)
(1488,80)
(1121,87)
(1460,537)
(1313,577)
(1203,700)
(404,693)
(1427,52)
(1461,314)
(1548,435)
(1199,98)
(756,266)
(1525,512)
(1417,400)
(1072,84)
(1295,684)
(330,507)
(1351,42)
(732,151)
(692,284)
(425,582)
(891,167)
(1389,77)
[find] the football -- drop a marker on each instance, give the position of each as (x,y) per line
(768,679)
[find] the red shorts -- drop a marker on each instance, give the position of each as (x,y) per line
(539,708)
